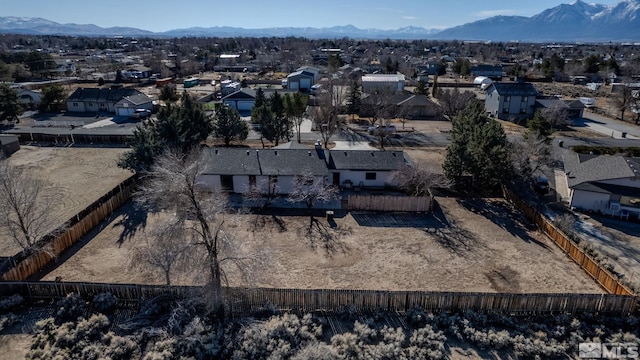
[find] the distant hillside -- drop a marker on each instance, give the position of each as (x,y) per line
(578,21)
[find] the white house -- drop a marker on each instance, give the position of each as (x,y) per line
(237,170)
(603,183)
(365,168)
(393,83)
(129,104)
(94,99)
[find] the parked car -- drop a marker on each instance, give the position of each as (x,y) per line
(379,129)
(140,114)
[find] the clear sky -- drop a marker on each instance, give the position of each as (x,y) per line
(162,15)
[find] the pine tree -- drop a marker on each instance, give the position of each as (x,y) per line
(478,149)
(228,125)
(354,102)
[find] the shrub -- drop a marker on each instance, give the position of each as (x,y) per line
(10,303)
(104,302)
(70,308)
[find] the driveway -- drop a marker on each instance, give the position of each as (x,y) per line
(608,126)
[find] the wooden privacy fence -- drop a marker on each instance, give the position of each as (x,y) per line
(604,277)
(73,230)
(240,300)
(71,138)
(390,203)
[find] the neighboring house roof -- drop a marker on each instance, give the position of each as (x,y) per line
(291,145)
(417,100)
(291,162)
(95,94)
(604,188)
(366,160)
(382,77)
(485,67)
(303,73)
(581,168)
(551,103)
(137,99)
(515,89)
(245,93)
(231,161)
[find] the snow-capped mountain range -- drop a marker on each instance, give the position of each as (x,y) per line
(578,21)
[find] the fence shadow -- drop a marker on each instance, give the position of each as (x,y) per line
(396,219)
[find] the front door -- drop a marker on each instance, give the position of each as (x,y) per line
(336,179)
(226,181)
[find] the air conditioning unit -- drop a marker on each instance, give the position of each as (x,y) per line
(614,206)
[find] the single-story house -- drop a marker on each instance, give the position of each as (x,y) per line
(392,83)
(603,183)
(237,170)
(29,98)
(365,168)
(494,72)
(574,108)
(511,101)
(409,106)
(129,104)
(301,80)
(244,99)
(9,144)
(99,99)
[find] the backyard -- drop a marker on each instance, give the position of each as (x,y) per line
(77,176)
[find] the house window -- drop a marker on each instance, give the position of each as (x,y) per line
(507,98)
(252,180)
(505,110)
(75,104)
(273,179)
(525,99)
(370,176)
(90,104)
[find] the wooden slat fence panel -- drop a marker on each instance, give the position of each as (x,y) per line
(604,277)
(390,203)
(74,229)
(303,300)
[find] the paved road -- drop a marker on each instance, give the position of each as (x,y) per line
(608,126)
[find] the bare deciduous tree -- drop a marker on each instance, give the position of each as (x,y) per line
(310,190)
(165,250)
(326,114)
(420,178)
(26,210)
(262,194)
(556,116)
(173,184)
(454,101)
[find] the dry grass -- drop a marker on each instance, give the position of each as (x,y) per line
(78,176)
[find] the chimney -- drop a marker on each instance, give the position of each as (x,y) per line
(309,152)
(275,152)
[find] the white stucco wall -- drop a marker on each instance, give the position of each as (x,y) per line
(382,178)
(589,200)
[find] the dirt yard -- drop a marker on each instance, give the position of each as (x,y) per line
(77,176)
(466,246)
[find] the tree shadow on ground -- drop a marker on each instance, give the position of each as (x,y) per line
(325,236)
(134,218)
(630,228)
(264,222)
(448,234)
(504,215)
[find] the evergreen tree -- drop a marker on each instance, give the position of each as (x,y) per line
(478,149)
(421,88)
(10,107)
(179,127)
(228,126)
(51,95)
(354,101)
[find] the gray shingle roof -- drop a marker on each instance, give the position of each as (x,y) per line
(366,160)
(95,94)
(231,161)
(291,162)
(589,168)
(137,99)
(515,89)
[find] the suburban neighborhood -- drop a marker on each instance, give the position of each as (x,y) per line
(298,198)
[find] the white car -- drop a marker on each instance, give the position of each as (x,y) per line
(140,114)
(381,129)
